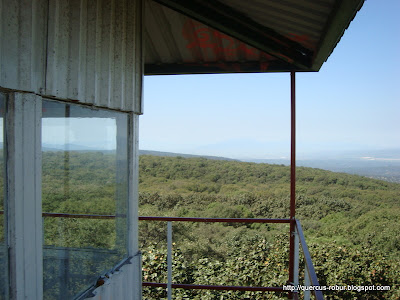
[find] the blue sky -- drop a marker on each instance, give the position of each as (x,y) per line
(353,103)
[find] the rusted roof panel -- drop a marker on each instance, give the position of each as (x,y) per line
(302,21)
(179,41)
(193,38)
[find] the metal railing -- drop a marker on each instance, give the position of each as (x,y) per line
(169,286)
(310,277)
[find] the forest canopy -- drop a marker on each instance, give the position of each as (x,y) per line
(351,222)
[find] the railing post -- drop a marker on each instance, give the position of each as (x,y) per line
(63,257)
(296,258)
(307,293)
(169,260)
(310,277)
(292,173)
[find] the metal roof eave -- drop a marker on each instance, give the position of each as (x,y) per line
(218,67)
(230,21)
(339,20)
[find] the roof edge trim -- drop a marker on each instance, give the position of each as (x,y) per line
(339,21)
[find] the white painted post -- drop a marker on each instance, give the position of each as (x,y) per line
(24,208)
(133,203)
(121,176)
(169,259)
(4,291)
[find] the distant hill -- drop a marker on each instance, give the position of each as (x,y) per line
(380,168)
(384,165)
(72,147)
(80,148)
(171,154)
(378,164)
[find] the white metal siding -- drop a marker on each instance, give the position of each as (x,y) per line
(94,52)
(22,44)
(81,50)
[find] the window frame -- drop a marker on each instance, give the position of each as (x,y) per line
(23,195)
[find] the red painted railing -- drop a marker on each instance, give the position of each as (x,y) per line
(309,268)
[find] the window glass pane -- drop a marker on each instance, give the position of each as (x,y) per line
(85,175)
(3,257)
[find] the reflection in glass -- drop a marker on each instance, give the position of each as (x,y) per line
(85,172)
(3,257)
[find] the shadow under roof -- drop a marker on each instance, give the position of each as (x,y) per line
(236,36)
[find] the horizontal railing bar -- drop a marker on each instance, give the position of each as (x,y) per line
(167,219)
(78,216)
(214,287)
(309,265)
(75,216)
(214,220)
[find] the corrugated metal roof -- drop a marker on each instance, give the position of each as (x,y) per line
(177,39)
(299,20)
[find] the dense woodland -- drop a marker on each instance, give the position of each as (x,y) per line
(351,222)
(351,225)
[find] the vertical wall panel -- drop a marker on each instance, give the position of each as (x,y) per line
(119,53)
(23,170)
(23,44)
(58,37)
(94,53)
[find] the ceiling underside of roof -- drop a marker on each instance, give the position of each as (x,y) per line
(234,36)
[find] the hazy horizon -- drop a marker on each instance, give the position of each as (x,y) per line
(375,154)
